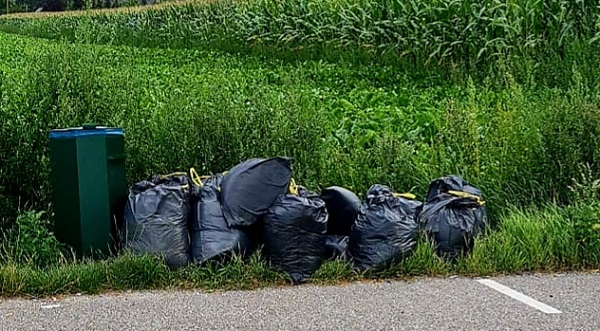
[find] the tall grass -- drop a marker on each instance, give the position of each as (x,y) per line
(464,33)
(527,241)
(343,124)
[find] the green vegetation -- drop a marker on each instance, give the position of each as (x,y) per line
(503,93)
(534,240)
(351,125)
(469,35)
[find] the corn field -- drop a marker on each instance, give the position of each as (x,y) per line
(451,32)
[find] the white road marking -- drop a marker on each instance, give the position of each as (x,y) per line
(50,306)
(519,296)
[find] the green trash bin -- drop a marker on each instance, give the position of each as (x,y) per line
(89,187)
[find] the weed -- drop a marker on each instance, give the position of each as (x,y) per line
(29,242)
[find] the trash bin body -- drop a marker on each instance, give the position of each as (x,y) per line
(89,187)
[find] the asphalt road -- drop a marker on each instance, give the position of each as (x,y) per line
(428,304)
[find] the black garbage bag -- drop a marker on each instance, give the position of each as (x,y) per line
(386,229)
(249,189)
(453,215)
(343,207)
(211,237)
(294,234)
(336,247)
(156,217)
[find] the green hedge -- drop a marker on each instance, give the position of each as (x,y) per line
(343,124)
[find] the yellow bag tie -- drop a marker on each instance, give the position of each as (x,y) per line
(195,177)
(293,187)
(466,195)
(172,175)
(408,196)
(183,187)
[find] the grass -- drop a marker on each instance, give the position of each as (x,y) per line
(531,240)
(343,124)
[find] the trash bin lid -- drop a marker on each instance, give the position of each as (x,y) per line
(85,130)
